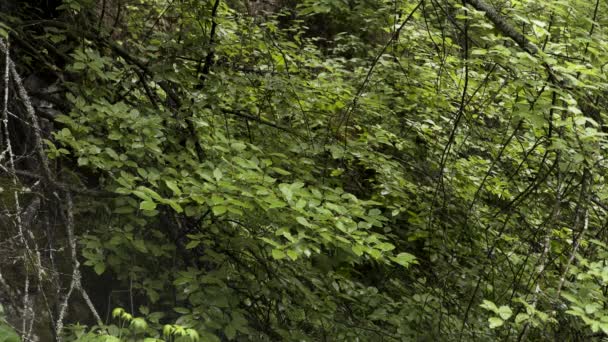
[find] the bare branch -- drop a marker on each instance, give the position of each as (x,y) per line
(502,25)
(29,109)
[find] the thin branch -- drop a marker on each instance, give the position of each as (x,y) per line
(211,54)
(19,223)
(67,187)
(258,120)
(31,113)
(577,243)
(503,26)
(75,283)
(353,104)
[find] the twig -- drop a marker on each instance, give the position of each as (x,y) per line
(258,120)
(29,109)
(67,187)
(503,26)
(211,53)
(75,283)
(346,116)
(577,243)
(19,223)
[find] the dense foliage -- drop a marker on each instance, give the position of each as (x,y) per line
(319,170)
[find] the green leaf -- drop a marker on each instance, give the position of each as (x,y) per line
(139,323)
(8,334)
(280,171)
(150,193)
(274,202)
(140,245)
(495,322)
(521,317)
(193,244)
(147,205)
(505,312)
(376,254)
(278,254)
(238,146)
(99,268)
(173,186)
(219,210)
(168,330)
(142,195)
(193,334)
(286,190)
(174,205)
(217,174)
(358,250)
(209,337)
(488,305)
(181,310)
(404,259)
(117,312)
(385,246)
(293,255)
(591,308)
(301,220)
(230,331)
